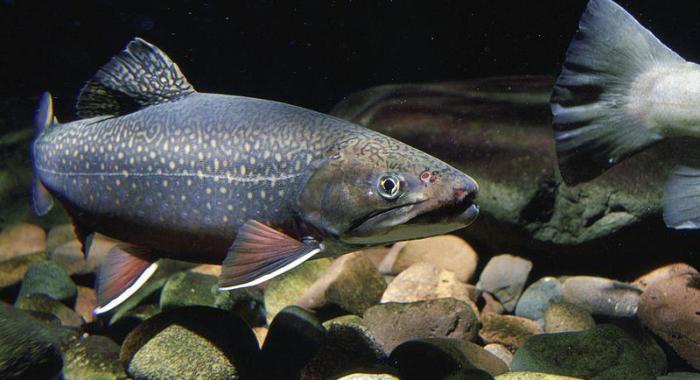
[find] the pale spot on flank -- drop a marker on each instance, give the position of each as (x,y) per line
(165,183)
(222,190)
(247,147)
(229,207)
(243,169)
(262,194)
(172,165)
(250,195)
(208,190)
(225,218)
(152,155)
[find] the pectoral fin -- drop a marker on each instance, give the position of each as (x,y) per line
(260,253)
(124,271)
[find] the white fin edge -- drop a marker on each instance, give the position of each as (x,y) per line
(129,291)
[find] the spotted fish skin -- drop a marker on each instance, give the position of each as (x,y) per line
(256,185)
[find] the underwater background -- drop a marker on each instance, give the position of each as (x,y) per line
(467,82)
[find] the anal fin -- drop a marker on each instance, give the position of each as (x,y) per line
(261,253)
(124,271)
(42,201)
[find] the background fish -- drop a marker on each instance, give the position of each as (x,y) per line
(259,185)
(620,91)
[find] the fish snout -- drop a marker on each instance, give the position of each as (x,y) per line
(465,190)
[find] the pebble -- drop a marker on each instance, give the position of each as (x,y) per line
(425,281)
(447,252)
(491,305)
(602,352)
(93,357)
(369,376)
(500,351)
(46,277)
(680,376)
(671,309)
(509,330)
(664,274)
(537,297)
(601,296)
(561,317)
(533,376)
(505,276)
(69,255)
(289,287)
(656,356)
(351,282)
(437,358)
(13,270)
(394,323)
(294,337)
(188,288)
(45,304)
(21,239)
(85,303)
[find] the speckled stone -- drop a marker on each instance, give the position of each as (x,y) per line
(93,357)
(664,274)
(537,297)
(561,317)
(45,304)
(188,288)
(505,276)
(45,277)
(509,330)
(13,270)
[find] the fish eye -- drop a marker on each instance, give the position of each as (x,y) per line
(389,186)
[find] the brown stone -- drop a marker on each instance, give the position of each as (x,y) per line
(663,274)
(86,302)
(21,239)
(508,330)
(425,281)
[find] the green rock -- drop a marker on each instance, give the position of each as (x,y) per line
(287,288)
(188,288)
(680,376)
(45,304)
(533,376)
(194,342)
(28,350)
(13,270)
(656,357)
(436,358)
(45,277)
(94,357)
(120,326)
(248,303)
(560,317)
(602,352)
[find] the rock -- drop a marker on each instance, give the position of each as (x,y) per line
(656,357)
(45,277)
(533,376)
(663,274)
(508,330)
(601,296)
(288,288)
(369,376)
(247,303)
(603,352)
(94,357)
(447,252)
(680,376)
(435,358)
(536,298)
(671,309)
(504,276)
(210,269)
(351,282)
(378,253)
(69,255)
(561,317)
(121,325)
(191,342)
(188,288)
(348,347)
(425,281)
(491,305)
(13,270)
(468,374)
(499,131)
(85,303)
(59,235)
(21,239)
(500,351)
(27,350)
(45,304)
(293,339)
(394,323)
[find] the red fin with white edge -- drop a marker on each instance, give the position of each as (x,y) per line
(124,271)
(261,253)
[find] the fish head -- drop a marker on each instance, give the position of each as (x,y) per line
(381,190)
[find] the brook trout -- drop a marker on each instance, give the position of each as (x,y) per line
(257,185)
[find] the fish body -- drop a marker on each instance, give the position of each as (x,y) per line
(620,91)
(258,185)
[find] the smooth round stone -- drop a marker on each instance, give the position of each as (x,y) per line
(500,351)
(671,309)
(351,282)
(533,376)
(505,276)
(21,239)
(186,289)
(85,303)
(45,304)
(656,356)
(294,337)
(70,257)
(425,281)
(369,376)
(509,330)
(680,376)
(601,296)
(191,341)
(46,277)
(287,288)
(27,351)
(664,274)
(561,317)
(436,358)
(94,357)
(447,252)
(603,352)
(13,270)
(394,323)
(537,297)
(59,235)
(120,326)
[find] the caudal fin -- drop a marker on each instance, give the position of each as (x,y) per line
(594,127)
(681,201)
(42,201)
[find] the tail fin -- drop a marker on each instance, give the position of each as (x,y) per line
(681,201)
(593,128)
(41,199)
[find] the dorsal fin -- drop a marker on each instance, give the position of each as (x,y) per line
(141,75)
